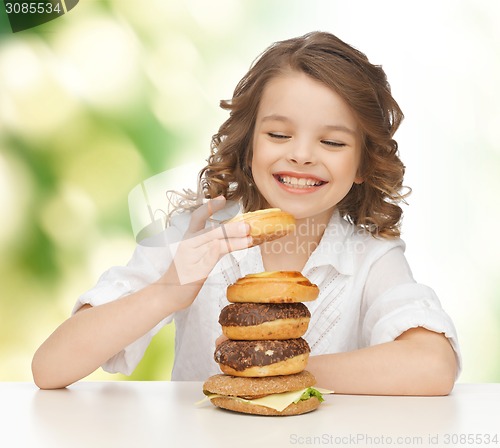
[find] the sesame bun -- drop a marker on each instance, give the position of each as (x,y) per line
(250,388)
(257,387)
(273,287)
(262,358)
(267,225)
(259,321)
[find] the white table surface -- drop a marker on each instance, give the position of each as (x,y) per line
(163,414)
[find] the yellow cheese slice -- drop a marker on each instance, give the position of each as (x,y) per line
(273,401)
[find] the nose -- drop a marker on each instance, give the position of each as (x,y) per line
(301,153)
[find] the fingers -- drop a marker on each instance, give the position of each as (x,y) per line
(194,261)
(220,340)
(224,232)
(201,214)
(193,264)
(199,234)
(213,249)
(201,249)
(232,244)
(218,242)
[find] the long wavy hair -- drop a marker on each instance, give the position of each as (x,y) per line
(372,204)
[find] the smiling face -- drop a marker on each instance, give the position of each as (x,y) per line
(306,146)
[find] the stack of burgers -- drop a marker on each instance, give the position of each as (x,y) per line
(264,357)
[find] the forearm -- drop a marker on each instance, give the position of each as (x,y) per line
(92,336)
(420,362)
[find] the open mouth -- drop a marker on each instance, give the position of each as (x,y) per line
(299,182)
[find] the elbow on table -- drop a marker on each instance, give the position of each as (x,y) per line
(44,383)
(433,362)
(442,386)
(447,377)
(440,372)
(43,378)
(40,380)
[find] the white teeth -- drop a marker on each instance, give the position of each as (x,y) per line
(301,182)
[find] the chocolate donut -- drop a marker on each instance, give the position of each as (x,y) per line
(259,321)
(262,358)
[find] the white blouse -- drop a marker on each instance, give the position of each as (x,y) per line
(367,296)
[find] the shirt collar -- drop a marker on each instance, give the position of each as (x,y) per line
(336,248)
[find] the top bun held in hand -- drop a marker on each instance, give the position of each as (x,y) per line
(267,224)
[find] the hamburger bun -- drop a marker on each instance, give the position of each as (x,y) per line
(267,225)
(235,393)
(262,358)
(259,321)
(258,387)
(272,287)
(247,408)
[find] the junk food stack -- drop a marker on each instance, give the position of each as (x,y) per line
(264,358)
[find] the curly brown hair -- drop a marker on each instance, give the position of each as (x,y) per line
(372,204)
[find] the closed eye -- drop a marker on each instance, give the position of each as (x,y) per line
(333,143)
(278,136)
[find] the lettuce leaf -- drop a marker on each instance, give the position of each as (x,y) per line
(310,392)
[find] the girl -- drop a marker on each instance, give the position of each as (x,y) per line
(310,131)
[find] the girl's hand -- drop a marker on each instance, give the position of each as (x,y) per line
(220,340)
(200,250)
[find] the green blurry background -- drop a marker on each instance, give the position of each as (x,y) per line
(116,91)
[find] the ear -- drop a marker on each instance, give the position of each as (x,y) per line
(359,179)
